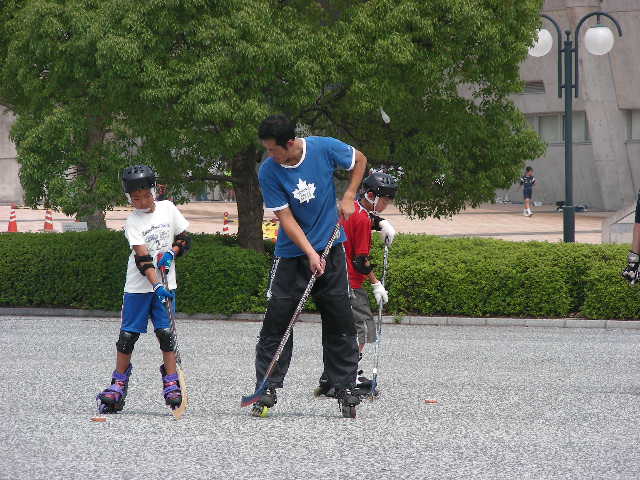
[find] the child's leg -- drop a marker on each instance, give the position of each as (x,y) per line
(169,360)
(167,340)
(122,361)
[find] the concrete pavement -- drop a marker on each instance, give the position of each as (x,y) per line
(541,403)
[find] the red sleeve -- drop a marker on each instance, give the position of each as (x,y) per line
(360,230)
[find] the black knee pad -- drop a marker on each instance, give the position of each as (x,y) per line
(126,341)
(166,339)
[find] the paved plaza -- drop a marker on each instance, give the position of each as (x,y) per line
(503,221)
(511,402)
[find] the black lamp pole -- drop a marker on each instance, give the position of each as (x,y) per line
(569,54)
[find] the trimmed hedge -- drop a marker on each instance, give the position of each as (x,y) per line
(427,276)
(87,270)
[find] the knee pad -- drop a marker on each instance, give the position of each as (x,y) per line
(166,339)
(126,341)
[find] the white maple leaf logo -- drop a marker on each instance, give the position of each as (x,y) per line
(305,191)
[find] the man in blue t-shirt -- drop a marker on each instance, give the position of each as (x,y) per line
(297,183)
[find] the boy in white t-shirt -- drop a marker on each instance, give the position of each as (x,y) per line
(152,228)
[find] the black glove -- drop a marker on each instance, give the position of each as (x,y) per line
(630,274)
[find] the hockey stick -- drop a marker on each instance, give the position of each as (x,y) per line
(254,397)
(178,411)
(377,347)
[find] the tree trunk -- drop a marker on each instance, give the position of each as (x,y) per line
(249,200)
(95,136)
(95,221)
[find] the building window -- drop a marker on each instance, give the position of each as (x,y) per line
(534,87)
(551,127)
(633,121)
(579,127)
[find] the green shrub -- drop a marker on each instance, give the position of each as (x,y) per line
(427,276)
(88,269)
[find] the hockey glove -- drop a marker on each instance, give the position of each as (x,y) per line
(380,293)
(167,259)
(162,292)
(630,274)
(387,232)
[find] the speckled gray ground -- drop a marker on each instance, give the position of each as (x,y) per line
(512,403)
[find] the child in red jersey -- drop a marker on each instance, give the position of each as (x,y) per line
(378,191)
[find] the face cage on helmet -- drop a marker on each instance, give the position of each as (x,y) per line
(383,191)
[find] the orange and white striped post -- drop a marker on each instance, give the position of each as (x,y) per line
(48,221)
(13,223)
(225,227)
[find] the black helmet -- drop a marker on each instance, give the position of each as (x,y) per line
(381,184)
(138,177)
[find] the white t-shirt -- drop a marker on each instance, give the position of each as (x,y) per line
(157,231)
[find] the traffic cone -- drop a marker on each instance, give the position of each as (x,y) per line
(13,224)
(225,228)
(48,221)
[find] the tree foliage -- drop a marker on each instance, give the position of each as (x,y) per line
(183,84)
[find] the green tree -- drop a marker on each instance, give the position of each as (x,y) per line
(68,131)
(183,84)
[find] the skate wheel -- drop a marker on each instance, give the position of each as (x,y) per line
(348,411)
(260,411)
(98,419)
(318,392)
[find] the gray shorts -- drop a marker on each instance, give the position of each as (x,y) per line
(362,316)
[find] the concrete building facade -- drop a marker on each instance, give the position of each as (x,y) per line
(10,189)
(606,114)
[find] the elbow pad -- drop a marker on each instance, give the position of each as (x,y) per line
(183,242)
(143,262)
(362,265)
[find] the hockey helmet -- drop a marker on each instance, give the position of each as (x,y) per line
(381,184)
(138,177)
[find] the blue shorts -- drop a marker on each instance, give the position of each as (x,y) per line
(138,307)
(528,193)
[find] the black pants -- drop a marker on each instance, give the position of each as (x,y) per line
(289,278)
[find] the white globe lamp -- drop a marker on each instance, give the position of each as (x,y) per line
(543,45)
(599,40)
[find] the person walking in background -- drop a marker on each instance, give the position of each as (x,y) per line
(527,181)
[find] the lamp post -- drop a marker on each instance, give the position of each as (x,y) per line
(598,41)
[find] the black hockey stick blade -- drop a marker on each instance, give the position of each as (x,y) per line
(247,400)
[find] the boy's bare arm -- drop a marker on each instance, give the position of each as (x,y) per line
(635,243)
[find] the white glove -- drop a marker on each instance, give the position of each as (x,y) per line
(387,232)
(380,293)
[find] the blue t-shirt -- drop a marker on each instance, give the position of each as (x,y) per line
(308,190)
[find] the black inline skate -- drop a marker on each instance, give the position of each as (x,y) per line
(324,388)
(262,406)
(347,401)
